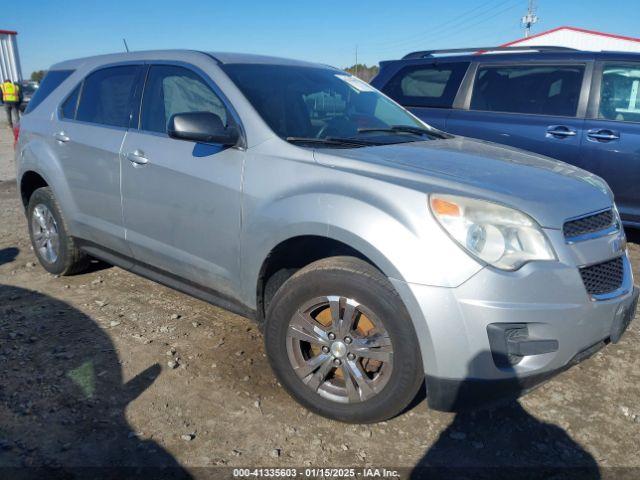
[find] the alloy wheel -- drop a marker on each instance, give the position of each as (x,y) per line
(46,239)
(340,349)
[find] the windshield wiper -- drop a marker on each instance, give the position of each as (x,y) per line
(331,141)
(407,129)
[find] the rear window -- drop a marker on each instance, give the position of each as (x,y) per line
(434,85)
(620,93)
(541,90)
(107,96)
(50,82)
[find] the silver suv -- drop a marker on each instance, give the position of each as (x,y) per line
(378,253)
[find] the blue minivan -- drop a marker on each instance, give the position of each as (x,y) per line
(579,107)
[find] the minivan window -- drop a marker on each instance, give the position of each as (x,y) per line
(317,103)
(433,85)
(68,108)
(106,96)
(50,82)
(169,90)
(542,89)
(620,93)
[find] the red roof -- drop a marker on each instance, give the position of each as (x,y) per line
(574,29)
(8,32)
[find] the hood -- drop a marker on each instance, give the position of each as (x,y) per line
(548,190)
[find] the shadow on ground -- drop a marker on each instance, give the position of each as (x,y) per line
(502,442)
(62,395)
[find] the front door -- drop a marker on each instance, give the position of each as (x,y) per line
(611,145)
(181,199)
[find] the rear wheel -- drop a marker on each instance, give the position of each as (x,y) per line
(341,341)
(54,248)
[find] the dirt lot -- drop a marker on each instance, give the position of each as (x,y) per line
(88,379)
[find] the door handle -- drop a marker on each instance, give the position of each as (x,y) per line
(560,131)
(61,137)
(137,157)
(602,135)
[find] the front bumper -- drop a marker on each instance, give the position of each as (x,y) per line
(461,366)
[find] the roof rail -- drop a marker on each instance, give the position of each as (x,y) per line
(431,53)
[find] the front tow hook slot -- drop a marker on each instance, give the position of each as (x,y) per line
(510,342)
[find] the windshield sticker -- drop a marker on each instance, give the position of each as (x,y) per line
(356,83)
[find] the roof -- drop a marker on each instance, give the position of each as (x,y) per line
(8,32)
(572,29)
(220,57)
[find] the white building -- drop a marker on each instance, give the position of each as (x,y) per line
(9,58)
(580,39)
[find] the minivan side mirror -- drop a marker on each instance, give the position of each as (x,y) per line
(205,127)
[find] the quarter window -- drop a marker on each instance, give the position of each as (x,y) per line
(620,93)
(169,90)
(542,90)
(68,108)
(427,85)
(107,96)
(51,81)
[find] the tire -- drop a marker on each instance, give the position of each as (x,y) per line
(392,378)
(68,259)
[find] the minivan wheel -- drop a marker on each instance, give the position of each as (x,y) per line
(340,340)
(55,249)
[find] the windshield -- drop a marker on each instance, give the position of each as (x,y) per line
(324,105)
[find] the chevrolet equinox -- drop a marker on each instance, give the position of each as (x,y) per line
(379,254)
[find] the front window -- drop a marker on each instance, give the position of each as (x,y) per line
(322,105)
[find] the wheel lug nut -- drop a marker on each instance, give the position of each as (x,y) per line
(351,356)
(337,362)
(325,349)
(347,340)
(332,336)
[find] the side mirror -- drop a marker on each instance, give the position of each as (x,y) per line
(203,127)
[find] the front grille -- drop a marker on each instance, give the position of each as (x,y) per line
(603,277)
(589,224)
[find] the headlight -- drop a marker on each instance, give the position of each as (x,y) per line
(497,235)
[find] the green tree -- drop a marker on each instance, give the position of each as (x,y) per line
(363,72)
(38,75)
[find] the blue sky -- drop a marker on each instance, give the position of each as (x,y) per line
(326,31)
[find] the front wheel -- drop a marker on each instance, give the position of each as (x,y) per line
(341,342)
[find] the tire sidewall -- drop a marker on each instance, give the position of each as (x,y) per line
(407,373)
(44,196)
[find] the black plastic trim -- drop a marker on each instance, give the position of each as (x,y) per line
(168,279)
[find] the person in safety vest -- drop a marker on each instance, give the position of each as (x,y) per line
(11,99)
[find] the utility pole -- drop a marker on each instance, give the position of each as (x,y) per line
(530,18)
(356,60)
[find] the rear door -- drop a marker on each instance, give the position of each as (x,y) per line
(93,122)
(538,107)
(181,199)
(611,145)
(428,90)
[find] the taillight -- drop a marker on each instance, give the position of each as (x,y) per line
(16,135)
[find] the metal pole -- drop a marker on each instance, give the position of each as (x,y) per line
(530,18)
(356,60)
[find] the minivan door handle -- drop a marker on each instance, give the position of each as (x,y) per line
(61,137)
(137,157)
(555,131)
(602,135)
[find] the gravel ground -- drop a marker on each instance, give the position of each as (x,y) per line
(109,369)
